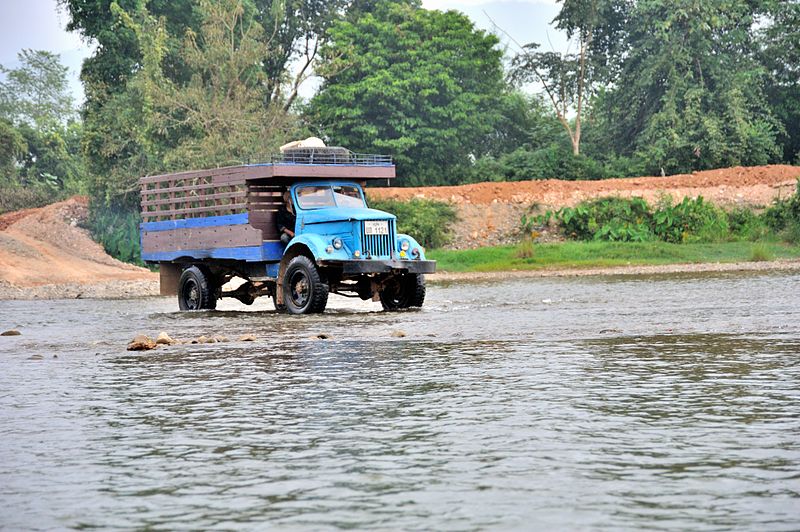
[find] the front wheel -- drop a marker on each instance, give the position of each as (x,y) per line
(403,292)
(196,290)
(304,292)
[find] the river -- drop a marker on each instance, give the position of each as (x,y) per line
(669,402)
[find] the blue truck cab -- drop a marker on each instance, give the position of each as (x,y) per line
(203,228)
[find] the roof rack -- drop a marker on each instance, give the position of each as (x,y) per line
(329,156)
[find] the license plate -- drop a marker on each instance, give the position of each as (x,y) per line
(376,228)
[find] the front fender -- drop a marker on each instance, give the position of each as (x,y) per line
(318,245)
(412,243)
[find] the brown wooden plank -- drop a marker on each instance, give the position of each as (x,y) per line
(345,172)
(192,174)
(231,207)
(187,199)
(266,221)
(225,236)
(184,188)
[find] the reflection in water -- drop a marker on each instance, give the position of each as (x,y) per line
(610,406)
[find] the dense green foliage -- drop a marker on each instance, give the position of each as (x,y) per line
(784,217)
(427,221)
(690,94)
(692,220)
(40,138)
(117,230)
(423,86)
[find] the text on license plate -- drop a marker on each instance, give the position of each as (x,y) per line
(376,228)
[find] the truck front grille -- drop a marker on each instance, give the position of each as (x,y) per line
(378,246)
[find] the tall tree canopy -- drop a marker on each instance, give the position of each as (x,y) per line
(690,94)
(36,92)
(780,54)
(424,86)
(39,134)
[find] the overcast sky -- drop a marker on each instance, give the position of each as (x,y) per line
(40,25)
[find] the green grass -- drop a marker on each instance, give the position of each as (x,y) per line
(603,254)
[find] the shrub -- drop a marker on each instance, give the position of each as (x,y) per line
(16,198)
(525,249)
(760,253)
(689,220)
(633,220)
(784,212)
(116,228)
(428,221)
(612,219)
(745,224)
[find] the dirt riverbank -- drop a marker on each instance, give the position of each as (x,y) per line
(45,253)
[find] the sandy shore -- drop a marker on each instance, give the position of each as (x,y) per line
(133,289)
(664,269)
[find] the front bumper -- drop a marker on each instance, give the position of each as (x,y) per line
(358,266)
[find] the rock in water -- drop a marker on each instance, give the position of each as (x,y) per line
(12,332)
(165,339)
(399,334)
(141,343)
(247,338)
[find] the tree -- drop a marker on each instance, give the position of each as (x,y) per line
(689,95)
(780,53)
(294,30)
(36,92)
(423,86)
(568,79)
(12,149)
(219,115)
(38,125)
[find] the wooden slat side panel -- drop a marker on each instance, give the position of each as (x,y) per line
(202,238)
(233,208)
(263,202)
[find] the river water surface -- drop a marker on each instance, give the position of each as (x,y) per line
(583,403)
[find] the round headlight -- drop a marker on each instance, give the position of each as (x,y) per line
(337,243)
(356,253)
(404,245)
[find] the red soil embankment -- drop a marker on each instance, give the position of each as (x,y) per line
(489,213)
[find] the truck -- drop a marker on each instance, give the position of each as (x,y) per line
(204,228)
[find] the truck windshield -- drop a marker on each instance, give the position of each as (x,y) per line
(315,197)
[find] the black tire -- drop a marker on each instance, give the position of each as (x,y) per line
(403,292)
(304,291)
(418,290)
(196,290)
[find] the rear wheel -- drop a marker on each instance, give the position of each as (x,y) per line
(403,292)
(304,291)
(196,290)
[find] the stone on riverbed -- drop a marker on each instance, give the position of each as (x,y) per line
(12,332)
(142,343)
(165,339)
